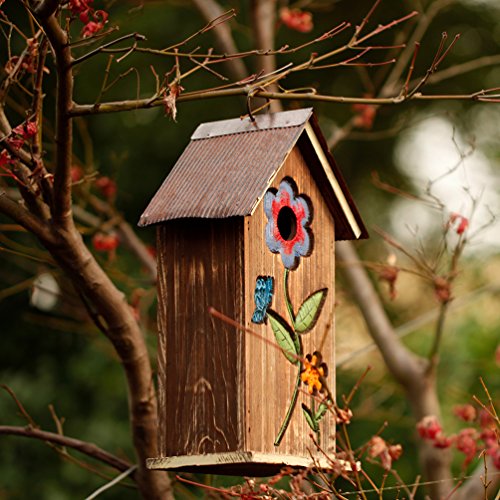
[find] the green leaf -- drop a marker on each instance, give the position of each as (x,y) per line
(283,336)
(321,411)
(309,311)
(309,418)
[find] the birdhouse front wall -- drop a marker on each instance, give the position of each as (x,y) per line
(269,376)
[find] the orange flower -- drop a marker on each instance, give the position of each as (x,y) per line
(314,372)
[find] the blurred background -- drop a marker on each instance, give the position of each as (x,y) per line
(51,354)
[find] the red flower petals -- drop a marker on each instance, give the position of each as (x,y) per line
(467,443)
(93,27)
(296,19)
(365,115)
(103,242)
(287,230)
(377,447)
(458,221)
(106,186)
(429,427)
(94,20)
(467,413)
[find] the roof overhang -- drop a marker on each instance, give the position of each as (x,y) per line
(228,166)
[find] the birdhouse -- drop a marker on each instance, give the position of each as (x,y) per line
(246,225)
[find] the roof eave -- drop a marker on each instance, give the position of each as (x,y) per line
(348,217)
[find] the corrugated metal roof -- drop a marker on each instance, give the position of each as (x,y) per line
(228,165)
(270,121)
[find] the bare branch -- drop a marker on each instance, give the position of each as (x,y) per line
(359,28)
(118,106)
(119,325)
(46,8)
(84,447)
(127,234)
(460,69)
(88,55)
(112,483)
(474,489)
(210,9)
(402,363)
(25,219)
(61,210)
(423,24)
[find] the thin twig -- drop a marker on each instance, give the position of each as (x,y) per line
(19,405)
(213,312)
(359,28)
(88,55)
(112,483)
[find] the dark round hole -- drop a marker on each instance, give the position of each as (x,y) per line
(287,223)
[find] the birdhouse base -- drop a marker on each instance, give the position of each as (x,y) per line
(244,463)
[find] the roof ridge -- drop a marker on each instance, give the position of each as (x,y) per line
(283,119)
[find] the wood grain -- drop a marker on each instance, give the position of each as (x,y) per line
(271,377)
(200,366)
(222,391)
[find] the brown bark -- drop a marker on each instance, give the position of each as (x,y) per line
(110,305)
(61,209)
(263,25)
(111,308)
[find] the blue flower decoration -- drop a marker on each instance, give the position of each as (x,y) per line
(287,229)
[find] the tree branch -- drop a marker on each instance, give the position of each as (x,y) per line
(127,234)
(474,488)
(24,218)
(425,20)
(263,26)
(45,8)
(210,10)
(133,104)
(460,69)
(402,363)
(84,447)
(111,307)
(61,209)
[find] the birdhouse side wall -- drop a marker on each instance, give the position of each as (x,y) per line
(271,378)
(200,358)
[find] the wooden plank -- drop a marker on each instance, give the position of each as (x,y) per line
(271,377)
(337,189)
(239,463)
(200,359)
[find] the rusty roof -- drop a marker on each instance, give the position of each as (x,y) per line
(228,166)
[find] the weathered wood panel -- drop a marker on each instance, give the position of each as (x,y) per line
(271,378)
(200,358)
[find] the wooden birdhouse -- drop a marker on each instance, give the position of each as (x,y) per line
(246,225)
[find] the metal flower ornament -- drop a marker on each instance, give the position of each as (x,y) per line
(288,233)
(287,229)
